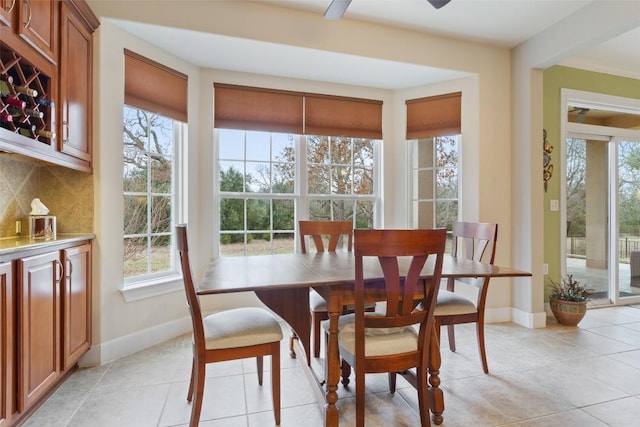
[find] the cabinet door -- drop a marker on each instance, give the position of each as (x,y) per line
(7,8)
(38,326)
(76,304)
(76,58)
(6,344)
(38,25)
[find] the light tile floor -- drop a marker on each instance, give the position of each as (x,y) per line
(557,376)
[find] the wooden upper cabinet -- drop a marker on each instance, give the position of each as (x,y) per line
(7,8)
(75,106)
(38,25)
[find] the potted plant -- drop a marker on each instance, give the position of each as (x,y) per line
(568,300)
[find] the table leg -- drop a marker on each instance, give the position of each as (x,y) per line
(332,365)
(436,394)
(293,306)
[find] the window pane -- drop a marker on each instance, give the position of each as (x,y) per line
(231,214)
(447,183)
(231,244)
(161,214)
(161,259)
(258,177)
(135,257)
(283,180)
(363,152)
(319,210)
(135,170)
(135,214)
(341,151)
(318,179)
(318,149)
(364,214)
(231,176)
(258,214)
(423,215)
(231,144)
(283,215)
(342,210)
(283,148)
(446,214)
(423,186)
(363,180)
(283,243)
(258,146)
(341,180)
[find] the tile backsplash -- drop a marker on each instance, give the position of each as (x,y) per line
(67,193)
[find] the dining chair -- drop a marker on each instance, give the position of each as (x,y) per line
(464,299)
(398,339)
(321,233)
(227,335)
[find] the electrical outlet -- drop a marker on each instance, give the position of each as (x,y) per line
(553,205)
(545,268)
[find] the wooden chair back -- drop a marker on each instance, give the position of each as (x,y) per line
(400,291)
(333,229)
(470,240)
(193,300)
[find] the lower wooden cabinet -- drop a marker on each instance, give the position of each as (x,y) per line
(45,324)
(39,283)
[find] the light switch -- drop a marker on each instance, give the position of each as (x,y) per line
(553,205)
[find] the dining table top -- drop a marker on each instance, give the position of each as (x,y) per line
(264,272)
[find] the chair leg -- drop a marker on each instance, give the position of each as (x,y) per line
(360,397)
(198,392)
(275,381)
(481,348)
(423,395)
(392,382)
(292,351)
(316,318)
(191,381)
(345,372)
(260,366)
(452,338)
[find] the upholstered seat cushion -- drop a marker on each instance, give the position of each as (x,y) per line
(378,341)
(240,327)
(450,303)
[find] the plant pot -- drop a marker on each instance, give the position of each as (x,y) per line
(568,313)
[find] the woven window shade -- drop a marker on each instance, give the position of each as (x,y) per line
(250,108)
(339,116)
(154,87)
(434,116)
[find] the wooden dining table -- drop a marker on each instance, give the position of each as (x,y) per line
(282,283)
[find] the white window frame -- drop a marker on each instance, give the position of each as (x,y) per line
(300,194)
(152,284)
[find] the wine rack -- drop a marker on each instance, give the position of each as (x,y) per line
(26,106)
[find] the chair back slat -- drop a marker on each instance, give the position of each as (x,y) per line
(333,229)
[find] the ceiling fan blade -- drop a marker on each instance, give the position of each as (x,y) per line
(336,9)
(438,3)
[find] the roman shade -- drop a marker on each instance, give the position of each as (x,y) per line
(252,108)
(340,116)
(154,87)
(434,116)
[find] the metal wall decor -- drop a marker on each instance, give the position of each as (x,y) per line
(547,167)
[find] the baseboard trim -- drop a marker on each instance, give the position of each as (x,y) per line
(114,349)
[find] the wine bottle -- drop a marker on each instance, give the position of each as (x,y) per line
(4,87)
(6,117)
(42,101)
(23,125)
(13,101)
(6,78)
(26,90)
(34,113)
(46,133)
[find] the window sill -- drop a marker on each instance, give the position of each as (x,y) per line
(152,288)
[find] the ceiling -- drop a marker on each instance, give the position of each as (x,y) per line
(505,23)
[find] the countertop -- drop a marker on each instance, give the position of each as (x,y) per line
(11,245)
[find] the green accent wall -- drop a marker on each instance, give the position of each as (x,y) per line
(555,79)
